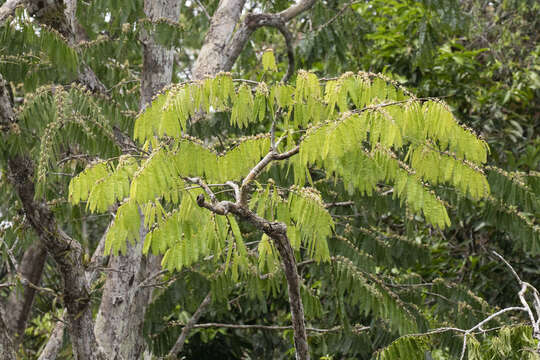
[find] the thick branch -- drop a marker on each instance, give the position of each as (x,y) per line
(251,23)
(67,254)
(211,57)
(179,345)
(54,344)
(277,231)
(296,9)
(19,304)
(7,9)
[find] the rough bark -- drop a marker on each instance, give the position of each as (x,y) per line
(157,60)
(251,23)
(19,303)
(211,56)
(121,314)
(66,252)
(7,350)
(54,344)
(31,267)
(8,8)
(223,44)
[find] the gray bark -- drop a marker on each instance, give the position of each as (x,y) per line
(54,344)
(121,314)
(157,60)
(19,303)
(7,350)
(224,43)
(211,57)
(8,8)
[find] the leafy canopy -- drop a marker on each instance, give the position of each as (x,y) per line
(362,129)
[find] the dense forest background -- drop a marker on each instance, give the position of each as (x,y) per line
(75,76)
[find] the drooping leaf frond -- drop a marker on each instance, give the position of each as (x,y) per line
(41,53)
(101,185)
(406,348)
(126,227)
(313,221)
(513,189)
(373,297)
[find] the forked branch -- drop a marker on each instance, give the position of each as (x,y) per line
(277,231)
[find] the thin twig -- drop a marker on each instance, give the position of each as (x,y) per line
(338,14)
(357,328)
(203,9)
(192,323)
(205,187)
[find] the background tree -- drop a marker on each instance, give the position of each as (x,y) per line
(78,73)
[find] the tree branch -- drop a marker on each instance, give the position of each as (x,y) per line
(54,344)
(257,169)
(251,23)
(205,187)
(277,231)
(8,8)
(357,328)
(66,252)
(296,9)
(535,323)
(479,326)
(253,175)
(211,56)
(179,344)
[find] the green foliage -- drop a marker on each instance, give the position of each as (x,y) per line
(406,348)
(268,61)
(504,344)
(403,160)
(372,296)
(30,52)
(363,130)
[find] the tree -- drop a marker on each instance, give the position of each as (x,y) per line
(62,49)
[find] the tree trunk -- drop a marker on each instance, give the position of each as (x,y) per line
(19,304)
(120,318)
(67,254)
(7,350)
